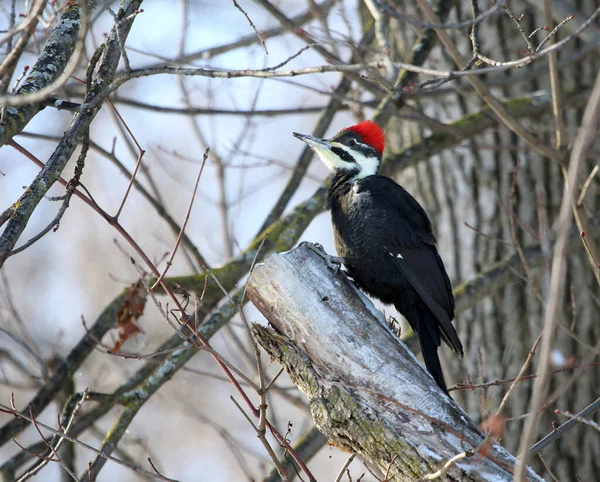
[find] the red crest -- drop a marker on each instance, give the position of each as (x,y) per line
(371,134)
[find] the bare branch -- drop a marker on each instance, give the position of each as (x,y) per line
(583,141)
(237,5)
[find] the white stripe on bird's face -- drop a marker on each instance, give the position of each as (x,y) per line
(368,165)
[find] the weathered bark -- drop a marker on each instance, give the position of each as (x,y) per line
(49,66)
(367,392)
(53,168)
(473,185)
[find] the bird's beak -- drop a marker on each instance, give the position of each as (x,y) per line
(324,150)
(314,142)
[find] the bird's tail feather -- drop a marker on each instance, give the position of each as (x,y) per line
(432,361)
(429,338)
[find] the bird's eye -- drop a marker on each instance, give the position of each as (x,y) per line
(352,142)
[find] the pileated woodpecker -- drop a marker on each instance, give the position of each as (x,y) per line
(386,240)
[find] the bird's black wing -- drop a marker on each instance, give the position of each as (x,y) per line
(411,248)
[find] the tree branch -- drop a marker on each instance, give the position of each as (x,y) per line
(49,66)
(367,392)
(30,199)
(473,124)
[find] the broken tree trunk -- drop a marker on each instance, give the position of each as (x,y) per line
(368,394)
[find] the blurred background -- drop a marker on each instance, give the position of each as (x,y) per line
(489,194)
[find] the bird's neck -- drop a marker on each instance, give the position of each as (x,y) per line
(341,183)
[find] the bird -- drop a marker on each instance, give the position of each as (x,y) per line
(385,239)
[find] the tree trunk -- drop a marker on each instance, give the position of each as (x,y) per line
(367,393)
(473,185)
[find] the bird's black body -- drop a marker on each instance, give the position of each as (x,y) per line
(386,239)
(375,221)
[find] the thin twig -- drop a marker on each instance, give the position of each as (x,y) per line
(519,23)
(554,82)
(344,468)
(448,465)
(579,419)
(185,221)
(554,31)
(13,411)
(560,431)
(496,383)
(586,185)
(237,5)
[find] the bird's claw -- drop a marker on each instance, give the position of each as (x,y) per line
(333,262)
(316,247)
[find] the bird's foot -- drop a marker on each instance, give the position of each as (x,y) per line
(333,262)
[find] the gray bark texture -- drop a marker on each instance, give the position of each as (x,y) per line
(53,168)
(367,392)
(50,65)
(473,185)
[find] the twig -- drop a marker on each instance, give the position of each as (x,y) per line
(519,23)
(154,467)
(185,221)
(586,185)
(120,38)
(520,376)
(288,60)
(344,467)
(442,26)
(474,35)
(211,52)
(70,412)
(560,431)
(554,82)
(579,419)
(343,68)
(303,36)
(448,465)
(268,447)
(221,172)
(496,383)
(138,162)
(60,433)
(554,31)
(192,110)
(237,5)
(232,367)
